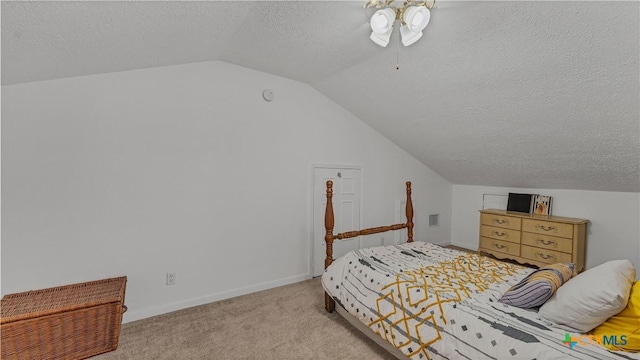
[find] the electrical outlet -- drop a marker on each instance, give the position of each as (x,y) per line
(171,278)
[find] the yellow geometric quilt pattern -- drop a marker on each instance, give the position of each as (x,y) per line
(416,297)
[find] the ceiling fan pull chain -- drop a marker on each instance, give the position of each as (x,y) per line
(398,53)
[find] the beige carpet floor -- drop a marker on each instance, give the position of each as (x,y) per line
(288,322)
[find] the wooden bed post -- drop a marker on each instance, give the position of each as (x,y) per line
(329,237)
(329,303)
(409,212)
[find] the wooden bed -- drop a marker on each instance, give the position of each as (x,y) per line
(329,237)
(421,301)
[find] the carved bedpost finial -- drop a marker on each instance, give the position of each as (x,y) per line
(409,212)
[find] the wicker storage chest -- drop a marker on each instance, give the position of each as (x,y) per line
(67,322)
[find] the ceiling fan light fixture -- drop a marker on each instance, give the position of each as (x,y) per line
(413,15)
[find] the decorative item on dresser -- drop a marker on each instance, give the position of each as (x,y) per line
(532,239)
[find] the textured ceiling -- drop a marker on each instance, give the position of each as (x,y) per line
(514,94)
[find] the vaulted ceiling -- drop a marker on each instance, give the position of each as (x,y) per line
(516,94)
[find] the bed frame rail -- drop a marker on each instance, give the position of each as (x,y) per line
(329,303)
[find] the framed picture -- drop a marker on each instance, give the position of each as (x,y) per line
(542,205)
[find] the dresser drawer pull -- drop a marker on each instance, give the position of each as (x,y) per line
(545,228)
(499,234)
(500,246)
(547,242)
(500,221)
(546,257)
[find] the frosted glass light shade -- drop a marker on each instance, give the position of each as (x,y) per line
(382,21)
(416,18)
(382,26)
(409,37)
(382,40)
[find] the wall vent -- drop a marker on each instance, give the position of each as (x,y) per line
(433,219)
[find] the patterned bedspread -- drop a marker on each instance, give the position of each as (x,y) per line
(437,303)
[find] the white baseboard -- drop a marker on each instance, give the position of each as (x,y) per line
(472,247)
(443,243)
(163,309)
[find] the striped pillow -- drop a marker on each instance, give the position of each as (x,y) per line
(538,287)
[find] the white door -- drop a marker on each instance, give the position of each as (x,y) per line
(401,236)
(346,211)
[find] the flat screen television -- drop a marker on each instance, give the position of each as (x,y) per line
(519,202)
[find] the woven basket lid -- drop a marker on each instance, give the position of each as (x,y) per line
(36,303)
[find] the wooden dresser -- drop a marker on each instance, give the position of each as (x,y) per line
(533,239)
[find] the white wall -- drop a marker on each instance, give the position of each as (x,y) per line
(183,169)
(613,233)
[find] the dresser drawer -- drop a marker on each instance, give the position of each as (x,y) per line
(501,246)
(500,233)
(547,228)
(543,255)
(506,222)
(547,242)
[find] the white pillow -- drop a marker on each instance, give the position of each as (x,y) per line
(591,297)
